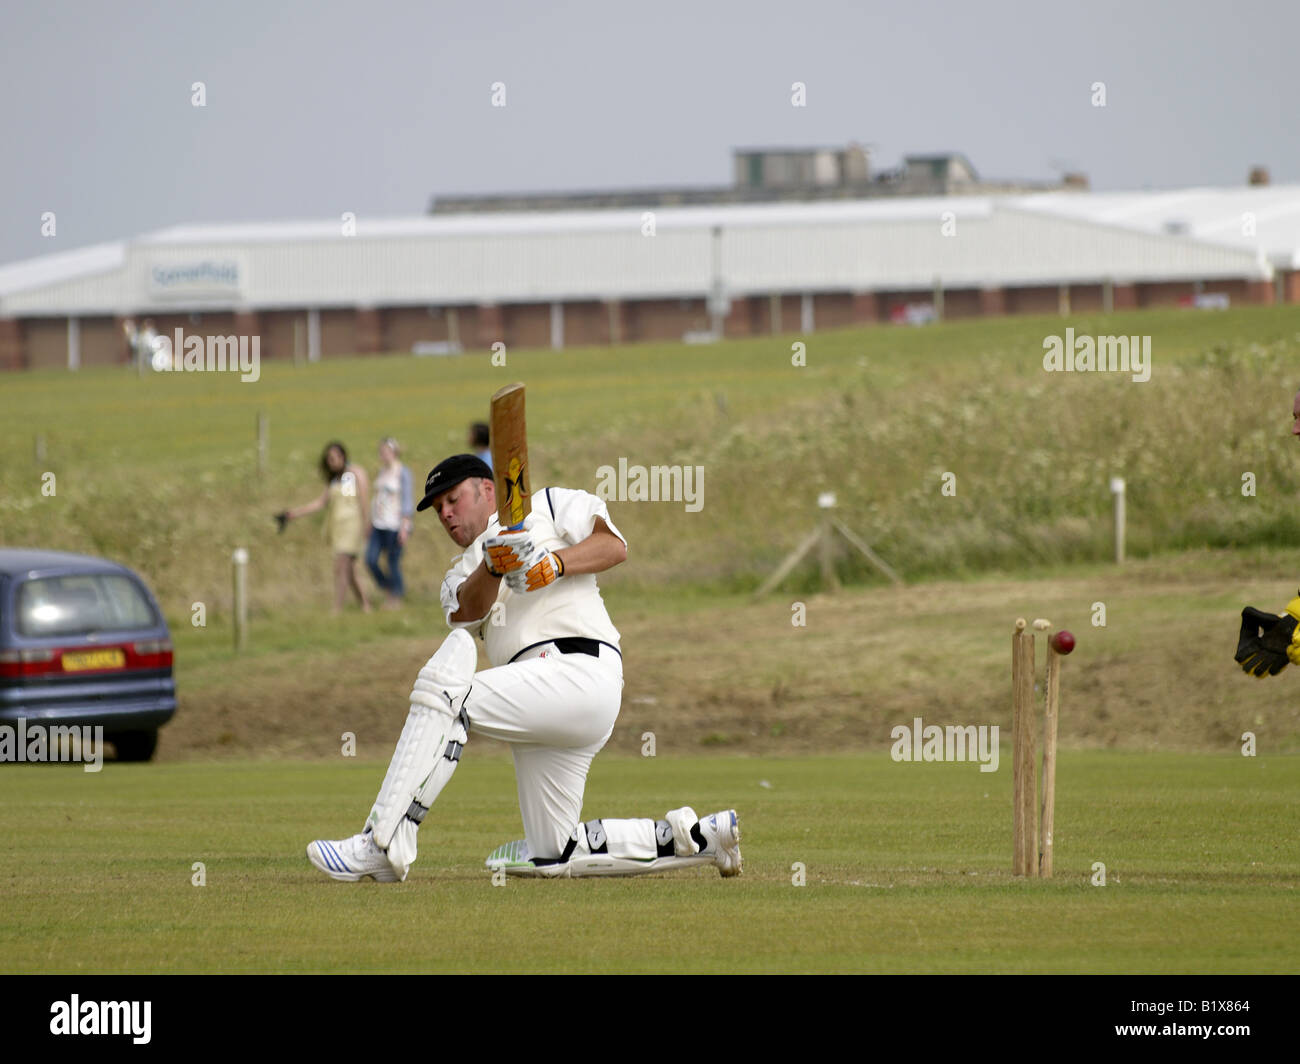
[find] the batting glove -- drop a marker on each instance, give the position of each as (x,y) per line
(544,568)
(506,552)
(1269,642)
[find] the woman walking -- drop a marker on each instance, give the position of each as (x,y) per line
(346,500)
(390,521)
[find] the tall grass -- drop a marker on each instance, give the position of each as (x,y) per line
(160,472)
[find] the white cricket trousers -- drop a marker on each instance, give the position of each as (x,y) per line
(556,711)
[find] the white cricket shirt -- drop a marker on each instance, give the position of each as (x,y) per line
(572,606)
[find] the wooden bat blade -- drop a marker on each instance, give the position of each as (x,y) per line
(510,456)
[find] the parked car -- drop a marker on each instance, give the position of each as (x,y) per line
(82,641)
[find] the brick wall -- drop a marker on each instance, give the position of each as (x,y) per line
(1291,286)
(370,329)
(963,303)
(993,301)
(408,326)
(1164,293)
(527,325)
(833,310)
(740,322)
(665,319)
(338,333)
(46,343)
(866,308)
(1040,299)
(585,324)
(279,334)
(13,350)
(102,342)
(490,328)
(1086,299)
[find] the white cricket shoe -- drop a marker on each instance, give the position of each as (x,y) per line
(721,834)
(351,860)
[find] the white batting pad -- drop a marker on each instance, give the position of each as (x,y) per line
(601,864)
(515,859)
(428,749)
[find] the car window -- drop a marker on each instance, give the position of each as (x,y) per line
(69,605)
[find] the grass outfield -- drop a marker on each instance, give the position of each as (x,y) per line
(906,870)
(906,864)
(159,472)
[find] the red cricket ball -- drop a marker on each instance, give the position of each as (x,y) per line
(1062,641)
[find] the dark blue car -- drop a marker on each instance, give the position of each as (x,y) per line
(82,642)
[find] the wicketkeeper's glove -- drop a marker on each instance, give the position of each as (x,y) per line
(1269,641)
(543,568)
(505,552)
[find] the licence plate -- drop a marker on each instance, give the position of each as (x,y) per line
(94,659)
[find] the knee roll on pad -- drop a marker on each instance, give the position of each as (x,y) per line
(451,669)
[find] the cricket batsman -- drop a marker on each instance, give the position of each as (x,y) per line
(1269,642)
(552,693)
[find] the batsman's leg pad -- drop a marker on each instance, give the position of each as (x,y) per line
(599,864)
(637,840)
(428,750)
(621,848)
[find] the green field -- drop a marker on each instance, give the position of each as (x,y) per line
(906,865)
(906,871)
(161,472)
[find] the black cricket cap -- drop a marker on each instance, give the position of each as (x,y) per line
(450,472)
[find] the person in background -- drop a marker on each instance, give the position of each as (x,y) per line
(142,343)
(390,521)
(480,441)
(346,500)
(131,335)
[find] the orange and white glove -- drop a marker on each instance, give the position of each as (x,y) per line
(543,568)
(506,552)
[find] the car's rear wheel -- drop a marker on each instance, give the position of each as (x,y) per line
(134,746)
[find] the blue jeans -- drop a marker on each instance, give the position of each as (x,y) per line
(384,541)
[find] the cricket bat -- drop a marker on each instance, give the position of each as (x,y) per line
(510,456)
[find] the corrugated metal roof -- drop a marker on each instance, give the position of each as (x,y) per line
(61,266)
(527,222)
(1217,215)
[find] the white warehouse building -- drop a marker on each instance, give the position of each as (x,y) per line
(312,290)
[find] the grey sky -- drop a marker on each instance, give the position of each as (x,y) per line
(317,108)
